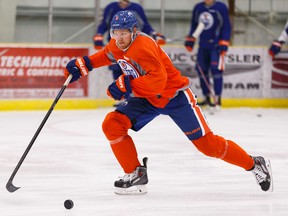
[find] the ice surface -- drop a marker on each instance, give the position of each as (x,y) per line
(71,159)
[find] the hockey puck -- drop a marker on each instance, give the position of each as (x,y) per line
(68,204)
(259,115)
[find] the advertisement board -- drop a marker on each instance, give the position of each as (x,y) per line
(249,72)
(37,72)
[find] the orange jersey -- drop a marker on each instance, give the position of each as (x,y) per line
(155,77)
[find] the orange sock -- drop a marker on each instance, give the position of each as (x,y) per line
(237,156)
(126,153)
(115,126)
(216,146)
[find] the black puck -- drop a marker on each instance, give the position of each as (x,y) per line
(68,204)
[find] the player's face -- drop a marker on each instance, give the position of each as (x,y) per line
(123,38)
(209,2)
(123,4)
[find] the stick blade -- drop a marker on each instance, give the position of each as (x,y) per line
(10,187)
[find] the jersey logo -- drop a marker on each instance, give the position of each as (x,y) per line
(127,68)
(207,19)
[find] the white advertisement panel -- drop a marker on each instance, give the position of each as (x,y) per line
(250,72)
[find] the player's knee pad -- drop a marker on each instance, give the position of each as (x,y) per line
(212,145)
(115,125)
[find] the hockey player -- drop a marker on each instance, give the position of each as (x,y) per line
(109,11)
(276,45)
(213,45)
(152,86)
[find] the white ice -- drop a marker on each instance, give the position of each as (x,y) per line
(71,159)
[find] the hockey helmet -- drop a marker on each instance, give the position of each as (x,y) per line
(124,20)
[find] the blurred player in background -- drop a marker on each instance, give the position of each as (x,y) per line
(109,11)
(276,45)
(152,86)
(213,45)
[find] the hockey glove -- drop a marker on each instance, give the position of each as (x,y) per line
(98,41)
(189,43)
(159,38)
(78,67)
(223,46)
(120,88)
(275,48)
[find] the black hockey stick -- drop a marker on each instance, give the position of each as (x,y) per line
(9,186)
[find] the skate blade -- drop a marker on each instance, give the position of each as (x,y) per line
(134,190)
(268,164)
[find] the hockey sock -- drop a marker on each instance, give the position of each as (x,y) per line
(238,156)
(126,154)
(115,126)
(216,146)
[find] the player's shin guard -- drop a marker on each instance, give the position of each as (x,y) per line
(115,127)
(216,146)
(126,153)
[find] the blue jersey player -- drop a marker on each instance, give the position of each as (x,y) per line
(109,11)
(213,45)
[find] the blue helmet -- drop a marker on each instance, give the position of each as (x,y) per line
(123,20)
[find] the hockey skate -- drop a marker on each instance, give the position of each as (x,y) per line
(263,173)
(133,183)
(208,102)
(212,107)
